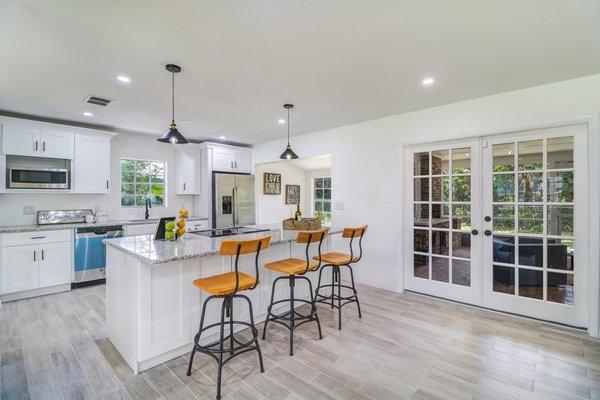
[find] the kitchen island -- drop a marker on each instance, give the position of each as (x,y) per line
(152,307)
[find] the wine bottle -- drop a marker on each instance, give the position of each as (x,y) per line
(298,215)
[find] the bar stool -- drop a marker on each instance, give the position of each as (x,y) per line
(294,269)
(227,286)
(336,260)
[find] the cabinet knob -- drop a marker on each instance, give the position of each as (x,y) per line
(487,218)
(475,232)
(488,232)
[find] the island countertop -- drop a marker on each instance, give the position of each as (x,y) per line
(151,251)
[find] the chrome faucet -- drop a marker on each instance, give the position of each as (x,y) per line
(148,205)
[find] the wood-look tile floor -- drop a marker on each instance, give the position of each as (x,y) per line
(406,346)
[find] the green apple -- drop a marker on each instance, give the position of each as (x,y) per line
(169,235)
(170,225)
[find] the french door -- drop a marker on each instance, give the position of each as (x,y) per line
(497,222)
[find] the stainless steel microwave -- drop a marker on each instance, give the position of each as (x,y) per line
(38,178)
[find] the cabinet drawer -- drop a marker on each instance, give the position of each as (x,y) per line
(24,238)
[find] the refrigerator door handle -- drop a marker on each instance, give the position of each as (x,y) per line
(233,213)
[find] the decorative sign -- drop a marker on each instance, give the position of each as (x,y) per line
(292,194)
(271,183)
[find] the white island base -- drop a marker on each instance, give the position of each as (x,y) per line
(153,309)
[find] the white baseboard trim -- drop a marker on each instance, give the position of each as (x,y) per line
(35,292)
(377,284)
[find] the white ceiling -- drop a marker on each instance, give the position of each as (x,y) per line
(338,61)
(307,163)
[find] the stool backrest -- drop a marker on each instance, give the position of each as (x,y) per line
(352,233)
(237,247)
(309,237)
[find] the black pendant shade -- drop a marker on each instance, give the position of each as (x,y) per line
(288,154)
(173,135)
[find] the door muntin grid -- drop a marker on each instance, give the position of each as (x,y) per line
(442,215)
(533,244)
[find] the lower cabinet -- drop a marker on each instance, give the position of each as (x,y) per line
(19,268)
(35,266)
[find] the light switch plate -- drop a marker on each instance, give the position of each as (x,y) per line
(338,205)
(28,210)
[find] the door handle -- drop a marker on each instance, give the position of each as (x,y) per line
(475,232)
(488,232)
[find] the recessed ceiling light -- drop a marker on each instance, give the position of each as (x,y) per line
(281,121)
(428,81)
(222,137)
(123,78)
(88,114)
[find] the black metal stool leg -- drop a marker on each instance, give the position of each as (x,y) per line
(230,312)
(292,311)
(339,296)
(313,310)
(197,337)
(269,308)
(319,282)
(220,361)
(254,332)
(333,275)
(355,292)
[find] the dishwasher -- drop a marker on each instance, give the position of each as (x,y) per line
(90,253)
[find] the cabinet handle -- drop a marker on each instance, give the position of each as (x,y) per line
(34,259)
(38,237)
(44,145)
(107,183)
(36,145)
(235,162)
(42,255)
(231,164)
(184,186)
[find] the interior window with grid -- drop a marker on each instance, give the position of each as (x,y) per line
(142,179)
(322,199)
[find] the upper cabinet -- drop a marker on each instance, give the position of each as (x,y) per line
(91,166)
(187,169)
(231,159)
(38,140)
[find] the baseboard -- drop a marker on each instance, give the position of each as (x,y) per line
(35,292)
(376,284)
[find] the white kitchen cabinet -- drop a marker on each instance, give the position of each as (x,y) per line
(141,229)
(20,140)
(19,268)
(38,140)
(57,142)
(45,264)
(187,170)
(91,166)
(54,264)
(231,159)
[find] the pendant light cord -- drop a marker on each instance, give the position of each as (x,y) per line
(288,117)
(173,97)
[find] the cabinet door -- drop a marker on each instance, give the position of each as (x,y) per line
(91,168)
(222,159)
(188,170)
(54,264)
(19,268)
(242,161)
(57,143)
(20,141)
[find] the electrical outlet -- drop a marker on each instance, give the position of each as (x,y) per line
(28,210)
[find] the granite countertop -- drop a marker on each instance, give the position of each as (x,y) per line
(55,227)
(150,251)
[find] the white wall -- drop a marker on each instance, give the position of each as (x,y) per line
(366,159)
(272,208)
(122,146)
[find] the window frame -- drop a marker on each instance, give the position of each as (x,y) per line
(164,183)
(323,200)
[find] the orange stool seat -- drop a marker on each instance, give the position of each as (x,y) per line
(335,258)
(223,284)
(292,266)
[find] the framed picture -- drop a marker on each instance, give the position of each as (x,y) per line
(292,194)
(271,183)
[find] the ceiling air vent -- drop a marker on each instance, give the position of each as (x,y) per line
(98,101)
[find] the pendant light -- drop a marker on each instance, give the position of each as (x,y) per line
(173,136)
(288,154)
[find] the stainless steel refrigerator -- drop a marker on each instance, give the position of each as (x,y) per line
(233,200)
